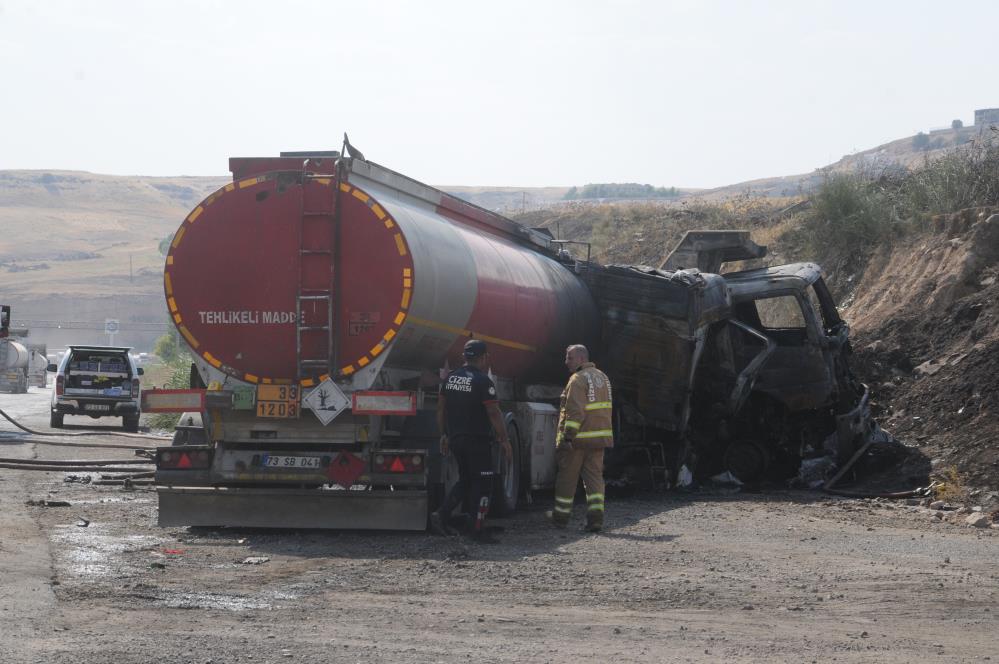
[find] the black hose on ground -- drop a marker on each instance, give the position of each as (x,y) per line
(914,493)
(123,482)
(919,492)
(66,469)
(60,443)
(78,433)
(78,462)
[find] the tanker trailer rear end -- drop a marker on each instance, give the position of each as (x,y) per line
(321,298)
(14,366)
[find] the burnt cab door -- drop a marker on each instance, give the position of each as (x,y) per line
(797,373)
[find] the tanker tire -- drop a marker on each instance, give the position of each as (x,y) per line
(55,420)
(506,492)
(130,423)
(748,460)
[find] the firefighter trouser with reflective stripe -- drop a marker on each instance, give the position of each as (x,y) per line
(572,462)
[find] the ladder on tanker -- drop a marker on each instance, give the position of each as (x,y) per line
(316,272)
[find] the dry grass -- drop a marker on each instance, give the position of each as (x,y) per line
(49,218)
(644,233)
(951,489)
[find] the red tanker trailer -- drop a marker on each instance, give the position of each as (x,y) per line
(316,275)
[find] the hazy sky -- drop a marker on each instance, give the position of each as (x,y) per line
(689,93)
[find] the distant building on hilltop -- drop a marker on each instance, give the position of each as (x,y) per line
(985,116)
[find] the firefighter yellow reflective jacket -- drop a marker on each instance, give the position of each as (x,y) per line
(585,414)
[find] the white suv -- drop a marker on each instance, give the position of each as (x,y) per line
(97,381)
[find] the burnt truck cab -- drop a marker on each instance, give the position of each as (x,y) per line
(804,402)
(745,372)
(791,305)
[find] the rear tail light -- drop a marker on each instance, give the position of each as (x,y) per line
(181,458)
(398,463)
(135,388)
(60,385)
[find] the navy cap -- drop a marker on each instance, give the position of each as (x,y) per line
(475,348)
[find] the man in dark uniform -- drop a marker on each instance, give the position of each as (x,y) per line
(468,415)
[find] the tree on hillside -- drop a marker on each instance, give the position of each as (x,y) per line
(167,347)
(921,141)
(620,190)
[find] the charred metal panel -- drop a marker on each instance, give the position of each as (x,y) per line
(707,250)
(750,284)
(652,324)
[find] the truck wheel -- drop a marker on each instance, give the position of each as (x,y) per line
(130,423)
(748,460)
(55,420)
(506,490)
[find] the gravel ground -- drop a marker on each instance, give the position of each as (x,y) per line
(779,576)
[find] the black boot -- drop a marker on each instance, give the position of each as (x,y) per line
(439,520)
(439,525)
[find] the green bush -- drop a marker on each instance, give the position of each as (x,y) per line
(850,215)
(620,190)
(854,212)
(179,379)
(167,348)
(966,177)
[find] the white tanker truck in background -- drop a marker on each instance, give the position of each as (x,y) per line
(21,364)
(15,358)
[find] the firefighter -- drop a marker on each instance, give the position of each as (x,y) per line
(585,430)
(469,417)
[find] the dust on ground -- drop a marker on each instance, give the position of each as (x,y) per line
(775,576)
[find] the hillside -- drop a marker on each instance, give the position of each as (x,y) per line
(75,233)
(902,152)
(913,257)
(80,246)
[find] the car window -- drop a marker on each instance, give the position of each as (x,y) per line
(780,313)
(99,361)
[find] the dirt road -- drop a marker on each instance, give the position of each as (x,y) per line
(786,576)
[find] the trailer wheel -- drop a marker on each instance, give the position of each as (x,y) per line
(506,491)
(55,420)
(748,460)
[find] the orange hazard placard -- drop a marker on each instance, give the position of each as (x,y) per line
(280,401)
